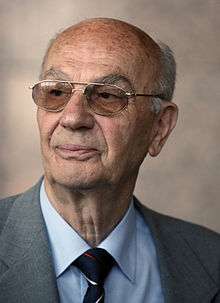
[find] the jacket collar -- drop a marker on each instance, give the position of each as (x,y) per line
(25,255)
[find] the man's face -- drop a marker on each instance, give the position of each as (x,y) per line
(81,149)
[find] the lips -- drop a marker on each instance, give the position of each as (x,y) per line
(77,152)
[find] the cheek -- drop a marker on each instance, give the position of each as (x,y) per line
(47,122)
(118,134)
(133,135)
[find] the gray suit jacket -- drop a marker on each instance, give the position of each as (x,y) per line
(189,255)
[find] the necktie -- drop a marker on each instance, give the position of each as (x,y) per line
(95,265)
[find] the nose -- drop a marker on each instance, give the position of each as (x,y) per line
(75,114)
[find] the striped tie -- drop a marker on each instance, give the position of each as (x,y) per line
(95,265)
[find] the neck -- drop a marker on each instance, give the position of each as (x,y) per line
(93,214)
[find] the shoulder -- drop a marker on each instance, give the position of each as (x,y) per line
(5,207)
(19,201)
(166,222)
(194,233)
(182,236)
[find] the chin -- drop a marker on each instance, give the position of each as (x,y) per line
(78,175)
(79,180)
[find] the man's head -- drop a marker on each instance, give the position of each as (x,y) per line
(83,149)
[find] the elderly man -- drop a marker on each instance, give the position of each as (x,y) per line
(79,235)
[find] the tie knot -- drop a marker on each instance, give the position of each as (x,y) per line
(95,264)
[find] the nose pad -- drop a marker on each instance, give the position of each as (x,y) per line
(81,97)
(76,89)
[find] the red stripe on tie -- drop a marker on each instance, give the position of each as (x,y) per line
(90,256)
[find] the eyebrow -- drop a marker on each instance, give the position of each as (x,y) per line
(113,79)
(56,74)
(109,79)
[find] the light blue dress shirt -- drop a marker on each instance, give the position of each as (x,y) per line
(135,278)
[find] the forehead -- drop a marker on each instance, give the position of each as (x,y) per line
(102,50)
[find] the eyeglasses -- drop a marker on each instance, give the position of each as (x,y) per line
(102,98)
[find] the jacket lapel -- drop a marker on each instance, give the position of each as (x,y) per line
(26,270)
(183,276)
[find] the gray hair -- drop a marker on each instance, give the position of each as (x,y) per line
(165,84)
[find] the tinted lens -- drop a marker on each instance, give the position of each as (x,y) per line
(51,95)
(106,99)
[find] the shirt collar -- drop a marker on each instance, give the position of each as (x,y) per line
(67,245)
(121,243)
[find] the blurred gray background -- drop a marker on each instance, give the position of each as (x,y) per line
(184,181)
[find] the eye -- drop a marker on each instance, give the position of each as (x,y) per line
(106,95)
(56,92)
(109,93)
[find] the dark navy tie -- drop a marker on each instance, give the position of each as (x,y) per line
(95,264)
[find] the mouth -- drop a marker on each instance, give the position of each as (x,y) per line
(76,152)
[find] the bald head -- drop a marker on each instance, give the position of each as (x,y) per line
(112,34)
(94,38)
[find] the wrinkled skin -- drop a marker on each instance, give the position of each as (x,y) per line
(90,184)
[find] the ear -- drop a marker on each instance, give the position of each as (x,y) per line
(163,124)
